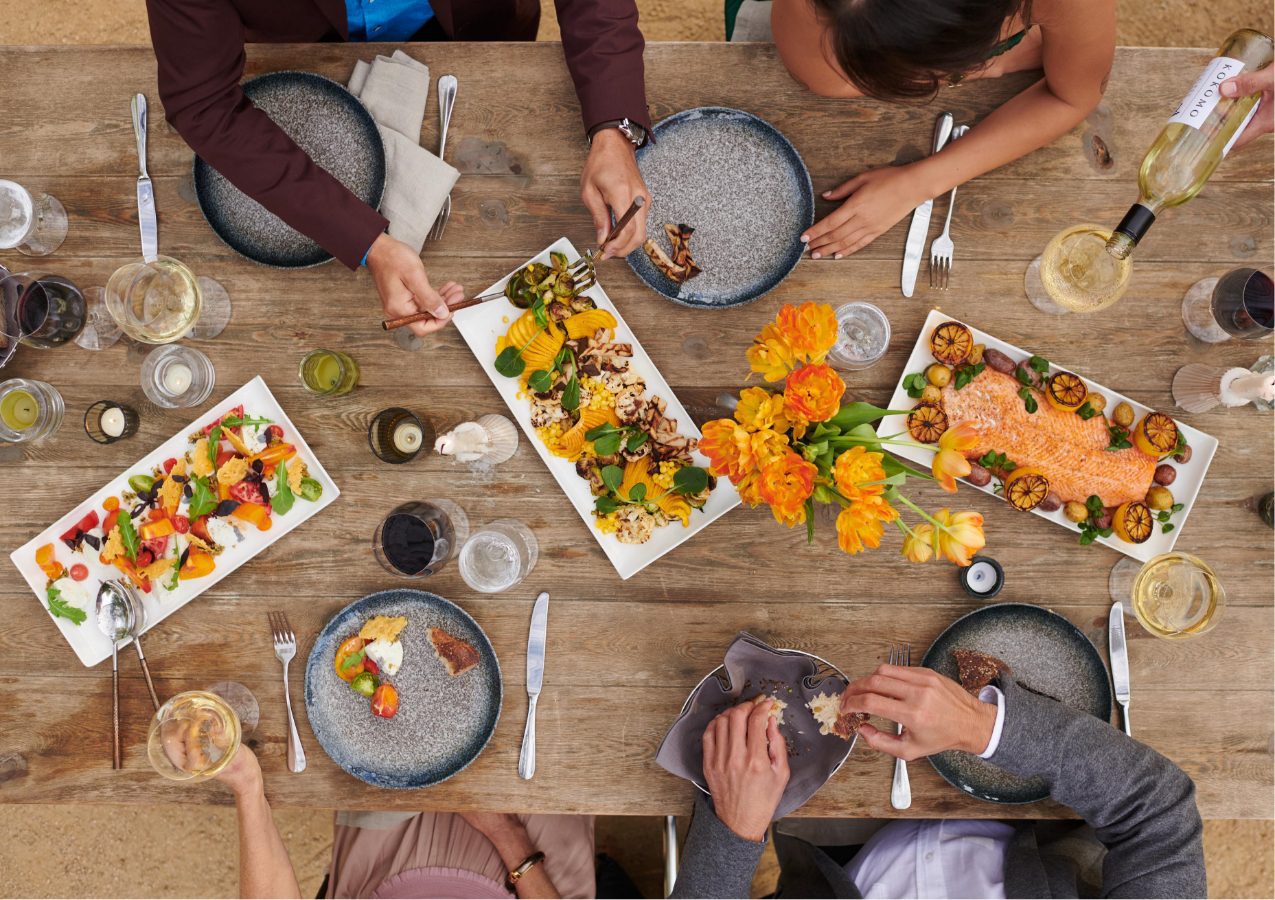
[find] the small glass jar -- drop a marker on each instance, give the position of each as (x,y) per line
(863,336)
(29,410)
(175,376)
(329,373)
(107,421)
(397,436)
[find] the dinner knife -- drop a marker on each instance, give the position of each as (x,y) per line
(535,679)
(145,190)
(920,227)
(1119,661)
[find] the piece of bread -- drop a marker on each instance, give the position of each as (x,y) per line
(458,656)
(975,670)
(777,706)
(826,709)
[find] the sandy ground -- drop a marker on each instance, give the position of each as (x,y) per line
(138,851)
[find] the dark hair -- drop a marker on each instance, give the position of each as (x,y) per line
(908,49)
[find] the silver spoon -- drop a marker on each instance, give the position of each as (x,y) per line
(136,625)
(113,613)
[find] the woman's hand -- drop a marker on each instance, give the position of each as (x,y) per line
(875,201)
(746,767)
(936,713)
(404,287)
(1242,85)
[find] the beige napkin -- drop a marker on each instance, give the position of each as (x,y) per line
(395,90)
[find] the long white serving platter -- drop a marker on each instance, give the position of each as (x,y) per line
(1185,487)
(89,644)
(481,325)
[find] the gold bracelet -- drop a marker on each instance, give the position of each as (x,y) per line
(535,859)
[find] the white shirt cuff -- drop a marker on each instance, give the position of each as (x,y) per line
(990,694)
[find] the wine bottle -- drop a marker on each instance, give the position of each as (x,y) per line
(1198,136)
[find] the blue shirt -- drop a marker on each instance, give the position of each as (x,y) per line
(386,20)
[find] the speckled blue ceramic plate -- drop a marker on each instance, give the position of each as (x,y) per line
(1048,655)
(328,123)
(744,189)
(443,723)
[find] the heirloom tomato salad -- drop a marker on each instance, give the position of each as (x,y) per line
(174,521)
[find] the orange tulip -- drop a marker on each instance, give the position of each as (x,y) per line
(950,462)
(729,449)
(960,535)
(767,446)
(861,524)
(759,410)
(814,392)
(918,545)
(809,329)
(770,356)
(855,470)
(786,483)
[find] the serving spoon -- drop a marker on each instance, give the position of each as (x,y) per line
(113,613)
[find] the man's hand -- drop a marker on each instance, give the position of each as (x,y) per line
(1263,122)
(875,201)
(936,713)
(243,775)
(746,767)
(610,182)
(404,288)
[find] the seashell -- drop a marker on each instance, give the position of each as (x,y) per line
(492,440)
(502,438)
(1196,387)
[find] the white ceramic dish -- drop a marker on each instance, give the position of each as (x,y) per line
(1185,487)
(481,325)
(89,644)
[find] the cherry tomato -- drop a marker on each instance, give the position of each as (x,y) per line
(110,504)
(223,456)
(273,433)
(247,492)
(181,524)
(369,665)
(145,557)
(385,702)
(345,670)
(79,571)
(156,546)
(111,519)
(168,465)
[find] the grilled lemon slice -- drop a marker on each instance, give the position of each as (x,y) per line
(1156,435)
(1132,522)
(1066,391)
(1026,488)
(951,343)
(927,423)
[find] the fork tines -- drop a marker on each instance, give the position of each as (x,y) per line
(440,224)
(940,272)
(901,654)
(280,630)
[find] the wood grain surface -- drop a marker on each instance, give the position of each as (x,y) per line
(622,656)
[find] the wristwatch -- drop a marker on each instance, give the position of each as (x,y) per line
(630,129)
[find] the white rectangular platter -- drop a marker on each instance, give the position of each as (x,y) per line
(481,325)
(89,644)
(1185,487)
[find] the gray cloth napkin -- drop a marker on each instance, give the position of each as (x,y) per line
(753,667)
(395,90)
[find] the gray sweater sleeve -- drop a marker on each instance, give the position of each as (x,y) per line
(1140,805)
(716,862)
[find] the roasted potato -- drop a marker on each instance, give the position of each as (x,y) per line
(1075,511)
(1165,474)
(931,394)
(1122,415)
(938,375)
(1184,456)
(1096,402)
(1051,503)
(978,476)
(998,361)
(976,355)
(1159,498)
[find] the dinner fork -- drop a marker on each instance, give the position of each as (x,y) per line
(901,789)
(941,249)
(285,647)
(446,100)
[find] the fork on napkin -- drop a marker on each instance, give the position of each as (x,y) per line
(417,183)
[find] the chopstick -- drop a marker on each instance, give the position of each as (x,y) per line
(638,202)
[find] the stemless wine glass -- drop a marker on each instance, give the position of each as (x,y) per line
(154,302)
(35,224)
(498,556)
(419,537)
(329,373)
(196,734)
(50,311)
(1075,273)
(1240,304)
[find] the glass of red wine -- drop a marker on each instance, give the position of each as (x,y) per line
(417,538)
(1240,304)
(50,311)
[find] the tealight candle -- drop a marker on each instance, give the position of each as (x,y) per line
(983,578)
(407,437)
(177,378)
(112,422)
(397,436)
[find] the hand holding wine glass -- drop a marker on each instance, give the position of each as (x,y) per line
(1261,81)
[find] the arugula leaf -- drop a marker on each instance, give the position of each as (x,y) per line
(175,575)
(1023,378)
(563,355)
(608,444)
(59,607)
(240,421)
(571,395)
(636,440)
(1177,507)
(1039,363)
(1177,447)
(540,381)
(214,443)
(282,498)
(132,543)
(1086,411)
(966,373)
(612,476)
(690,480)
(1029,401)
(1094,504)
(202,500)
(637,493)
(509,363)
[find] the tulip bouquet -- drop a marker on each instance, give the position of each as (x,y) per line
(802,446)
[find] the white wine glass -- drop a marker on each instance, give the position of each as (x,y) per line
(1076,273)
(196,734)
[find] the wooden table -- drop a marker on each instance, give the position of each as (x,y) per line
(622,656)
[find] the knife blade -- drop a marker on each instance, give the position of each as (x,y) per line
(145,190)
(535,680)
(920,227)
(1119,661)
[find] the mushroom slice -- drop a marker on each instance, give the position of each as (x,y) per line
(661,261)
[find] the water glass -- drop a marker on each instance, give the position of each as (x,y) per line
(499,556)
(1240,304)
(174,376)
(419,537)
(397,436)
(107,421)
(329,373)
(863,336)
(48,310)
(35,224)
(29,410)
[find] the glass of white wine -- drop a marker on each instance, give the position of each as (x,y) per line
(1175,595)
(1077,273)
(196,734)
(154,302)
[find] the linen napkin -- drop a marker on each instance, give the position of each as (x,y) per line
(753,667)
(395,89)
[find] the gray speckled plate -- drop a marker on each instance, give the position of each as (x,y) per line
(443,723)
(744,189)
(329,124)
(1048,655)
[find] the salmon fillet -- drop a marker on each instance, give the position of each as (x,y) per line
(1071,451)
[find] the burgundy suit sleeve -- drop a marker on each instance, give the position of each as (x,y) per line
(199,48)
(603,46)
